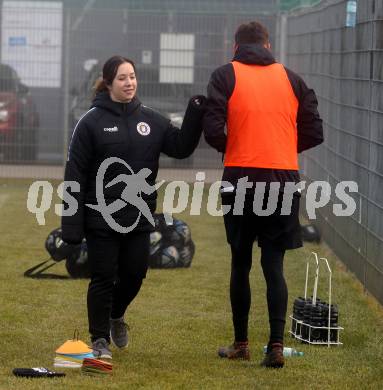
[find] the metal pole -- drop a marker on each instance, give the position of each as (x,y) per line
(316,279)
(283,38)
(66,93)
(226,41)
(307,277)
(329,301)
(371,100)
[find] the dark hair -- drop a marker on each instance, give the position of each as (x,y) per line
(252,32)
(109,71)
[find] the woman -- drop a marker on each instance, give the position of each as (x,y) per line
(129,137)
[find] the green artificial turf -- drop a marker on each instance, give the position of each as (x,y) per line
(178,320)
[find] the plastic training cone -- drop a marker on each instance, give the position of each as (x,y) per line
(96,367)
(73,347)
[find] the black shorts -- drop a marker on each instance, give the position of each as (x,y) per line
(276,230)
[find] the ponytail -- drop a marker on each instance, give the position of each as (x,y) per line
(99,86)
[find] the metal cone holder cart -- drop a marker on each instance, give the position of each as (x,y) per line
(314,321)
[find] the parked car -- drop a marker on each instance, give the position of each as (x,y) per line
(19,120)
(83,94)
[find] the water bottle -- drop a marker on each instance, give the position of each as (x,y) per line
(351,8)
(287,351)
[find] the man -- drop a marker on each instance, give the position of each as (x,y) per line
(271,116)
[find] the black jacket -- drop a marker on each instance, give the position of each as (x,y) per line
(133,133)
(219,91)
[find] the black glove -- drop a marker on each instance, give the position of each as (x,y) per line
(72,234)
(198,101)
(37,372)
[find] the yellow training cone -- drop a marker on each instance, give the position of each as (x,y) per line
(73,347)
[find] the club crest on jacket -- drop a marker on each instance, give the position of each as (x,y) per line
(143,128)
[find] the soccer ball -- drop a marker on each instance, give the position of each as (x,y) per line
(186,255)
(175,238)
(155,242)
(183,230)
(77,263)
(169,257)
(57,248)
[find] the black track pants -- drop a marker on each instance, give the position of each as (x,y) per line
(118,265)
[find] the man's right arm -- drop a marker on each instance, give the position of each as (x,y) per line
(219,90)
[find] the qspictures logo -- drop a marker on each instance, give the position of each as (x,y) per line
(135,186)
(179,195)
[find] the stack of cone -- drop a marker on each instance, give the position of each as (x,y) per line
(96,367)
(72,353)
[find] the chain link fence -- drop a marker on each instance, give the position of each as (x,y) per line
(52,52)
(338,49)
(57,50)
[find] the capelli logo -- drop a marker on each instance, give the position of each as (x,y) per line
(111,129)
